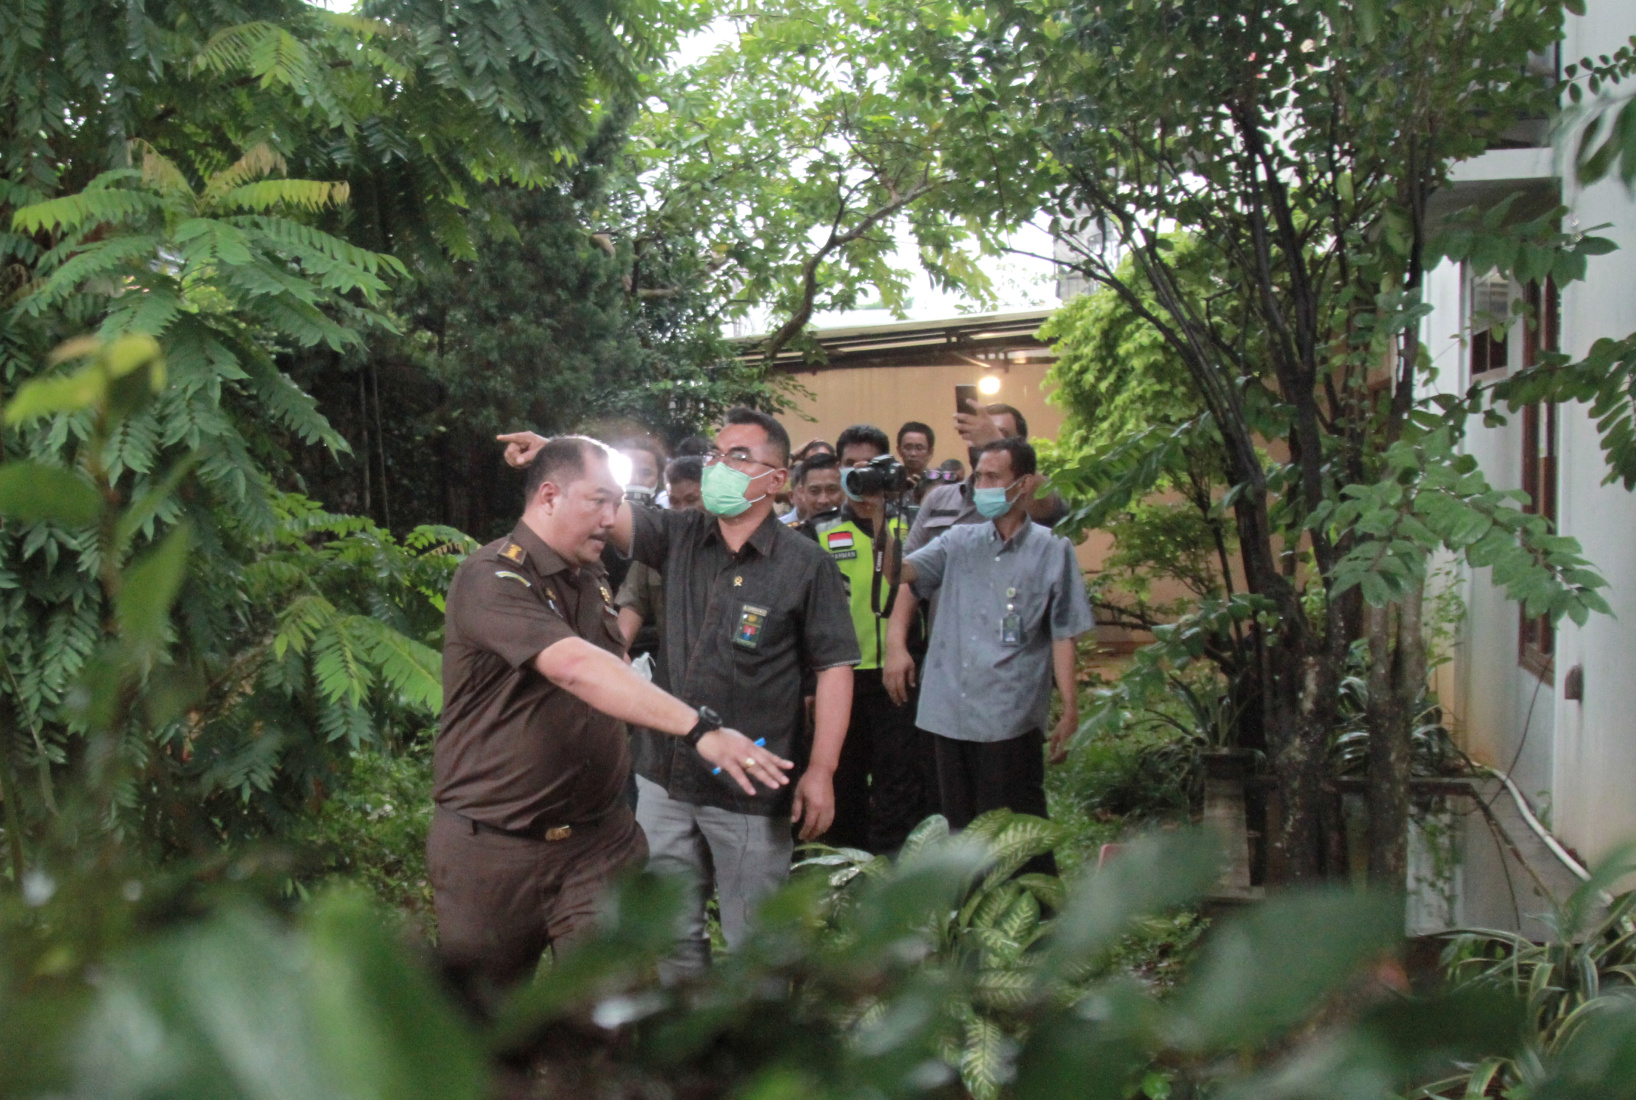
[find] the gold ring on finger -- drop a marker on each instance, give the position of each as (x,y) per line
(749,761)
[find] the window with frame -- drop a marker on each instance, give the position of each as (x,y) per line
(1488,313)
(1536,637)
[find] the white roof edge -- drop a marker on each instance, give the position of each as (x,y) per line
(1507,164)
(958,321)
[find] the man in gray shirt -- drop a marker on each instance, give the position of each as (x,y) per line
(1013,605)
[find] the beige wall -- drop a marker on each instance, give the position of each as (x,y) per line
(888,396)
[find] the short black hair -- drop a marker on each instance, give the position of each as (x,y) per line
(1022,424)
(821,461)
(923,429)
(810,446)
(1023,459)
(867,434)
(776,435)
(651,446)
(685,468)
(692,445)
(561,460)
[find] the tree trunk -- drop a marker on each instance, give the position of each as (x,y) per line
(1397,684)
(1300,708)
(13,812)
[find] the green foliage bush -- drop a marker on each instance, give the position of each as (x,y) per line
(920,979)
(1578,988)
(370,827)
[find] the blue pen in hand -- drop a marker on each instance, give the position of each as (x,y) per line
(761,742)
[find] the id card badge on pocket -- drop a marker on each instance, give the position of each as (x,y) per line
(751,621)
(1011,629)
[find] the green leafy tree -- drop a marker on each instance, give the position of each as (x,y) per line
(240,183)
(778,171)
(1297,146)
(540,327)
(1117,379)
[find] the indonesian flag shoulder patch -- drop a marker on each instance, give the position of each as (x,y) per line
(838,540)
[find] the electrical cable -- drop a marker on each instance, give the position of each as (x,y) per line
(1527,723)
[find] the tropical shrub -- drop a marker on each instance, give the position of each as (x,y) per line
(867,989)
(1578,989)
(370,829)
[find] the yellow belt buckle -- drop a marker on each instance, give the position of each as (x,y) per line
(560,832)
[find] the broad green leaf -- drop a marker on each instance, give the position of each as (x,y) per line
(1598,1060)
(385,1026)
(1151,874)
(206,1010)
(1094,1051)
(153,498)
(1430,1036)
(150,586)
(985,1063)
(1267,970)
(122,375)
(30,491)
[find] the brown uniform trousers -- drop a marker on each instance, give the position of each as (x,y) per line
(502,899)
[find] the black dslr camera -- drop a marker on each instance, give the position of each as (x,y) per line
(884,474)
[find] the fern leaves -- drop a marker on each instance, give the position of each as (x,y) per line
(350,653)
(354,650)
(415,671)
(88,209)
(271,194)
(232,253)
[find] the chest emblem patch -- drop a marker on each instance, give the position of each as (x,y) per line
(513,552)
(510,576)
(751,621)
(840,545)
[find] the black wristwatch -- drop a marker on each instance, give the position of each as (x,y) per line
(708,720)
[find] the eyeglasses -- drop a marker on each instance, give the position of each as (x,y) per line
(738,459)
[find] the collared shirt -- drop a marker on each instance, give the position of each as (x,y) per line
(943,507)
(739,630)
(987,679)
(644,593)
(952,506)
(513,749)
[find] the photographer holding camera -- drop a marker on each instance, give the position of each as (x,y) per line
(884,784)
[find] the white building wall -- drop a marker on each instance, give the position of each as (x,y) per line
(1595,744)
(1574,761)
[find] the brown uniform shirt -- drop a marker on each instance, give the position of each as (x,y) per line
(514,750)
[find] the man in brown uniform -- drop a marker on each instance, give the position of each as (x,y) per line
(531,762)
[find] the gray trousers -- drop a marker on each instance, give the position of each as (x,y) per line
(747,856)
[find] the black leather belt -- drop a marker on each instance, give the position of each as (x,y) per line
(537,832)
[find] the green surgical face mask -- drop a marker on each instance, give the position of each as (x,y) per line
(722,488)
